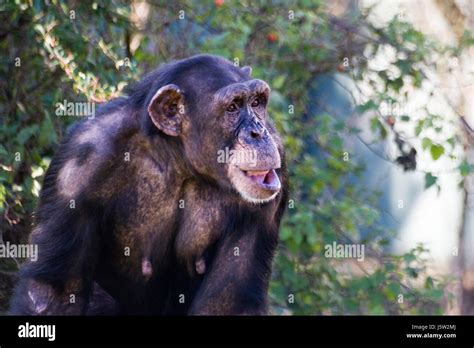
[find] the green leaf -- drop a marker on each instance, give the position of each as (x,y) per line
(426,143)
(278,82)
(392,291)
(3,195)
(430,180)
(436,151)
(370,105)
(374,124)
(419,127)
(465,168)
(47,134)
(437,294)
(451,141)
(409,258)
(26,133)
(285,233)
(298,238)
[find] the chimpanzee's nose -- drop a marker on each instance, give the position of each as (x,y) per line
(255,134)
(257,130)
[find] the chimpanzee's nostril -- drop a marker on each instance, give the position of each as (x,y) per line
(255,134)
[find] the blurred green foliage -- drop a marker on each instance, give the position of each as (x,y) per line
(89,50)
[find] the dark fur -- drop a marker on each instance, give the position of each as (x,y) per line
(79,248)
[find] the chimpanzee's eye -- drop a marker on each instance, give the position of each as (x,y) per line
(232,107)
(255,103)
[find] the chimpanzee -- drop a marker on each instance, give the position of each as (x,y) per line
(167,202)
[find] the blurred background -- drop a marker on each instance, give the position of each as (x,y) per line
(374,99)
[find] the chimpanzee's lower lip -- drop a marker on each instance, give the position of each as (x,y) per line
(257,172)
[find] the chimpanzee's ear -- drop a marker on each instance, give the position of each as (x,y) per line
(247,70)
(166,109)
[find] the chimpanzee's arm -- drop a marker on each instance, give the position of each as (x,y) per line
(66,233)
(59,281)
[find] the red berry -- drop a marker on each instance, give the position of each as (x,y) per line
(218,3)
(272,37)
(391,120)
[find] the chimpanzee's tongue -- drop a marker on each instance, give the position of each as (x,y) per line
(264,177)
(271,178)
(258,175)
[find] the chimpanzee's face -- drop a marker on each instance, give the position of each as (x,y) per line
(248,152)
(225,131)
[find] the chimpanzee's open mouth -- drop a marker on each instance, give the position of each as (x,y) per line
(266,179)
